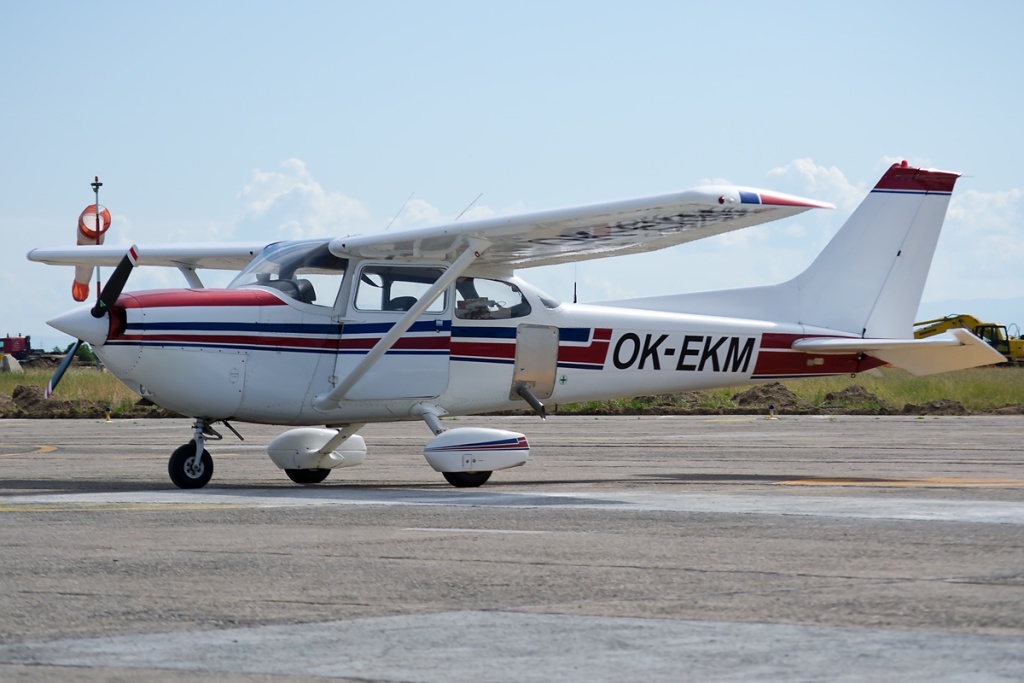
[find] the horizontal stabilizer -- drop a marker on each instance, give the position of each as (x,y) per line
(952,350)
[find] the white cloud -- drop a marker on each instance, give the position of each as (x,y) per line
(982,247)
(290,204)
(477,212)
(822,183)
(417,212)
(999,212)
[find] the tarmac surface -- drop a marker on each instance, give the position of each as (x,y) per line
(652,548)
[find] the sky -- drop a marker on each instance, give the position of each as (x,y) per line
(257,120)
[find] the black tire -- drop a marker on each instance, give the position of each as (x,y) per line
(307,476)
(467,480)
(182,468)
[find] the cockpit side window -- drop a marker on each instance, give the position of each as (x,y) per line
(482,299)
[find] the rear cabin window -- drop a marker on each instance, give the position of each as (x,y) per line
(482,299)
(397,288)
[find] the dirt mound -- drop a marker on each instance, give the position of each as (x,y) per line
(856,400)
(664,404)
(48,362)
(29,398)
(943,406)
(1008,409)
(765,395)
(31,402)
(685,403)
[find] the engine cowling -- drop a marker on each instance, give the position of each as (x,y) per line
(299,449)
(476,449)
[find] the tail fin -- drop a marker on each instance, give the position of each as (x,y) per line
(869,278)
(867,281)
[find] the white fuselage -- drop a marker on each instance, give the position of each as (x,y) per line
(254,354)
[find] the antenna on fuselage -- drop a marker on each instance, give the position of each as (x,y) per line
(400,210)
(470,206)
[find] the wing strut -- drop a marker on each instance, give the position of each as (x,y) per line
(332,399)
(191,277)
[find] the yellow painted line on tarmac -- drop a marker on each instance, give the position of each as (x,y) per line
(115,507)
(39,450)
(930,482)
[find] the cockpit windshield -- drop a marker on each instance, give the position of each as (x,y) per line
(306,271)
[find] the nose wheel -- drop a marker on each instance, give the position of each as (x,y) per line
(190,466)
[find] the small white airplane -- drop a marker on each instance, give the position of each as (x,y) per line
(327,335)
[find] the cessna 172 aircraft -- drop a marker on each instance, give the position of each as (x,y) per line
(327,335)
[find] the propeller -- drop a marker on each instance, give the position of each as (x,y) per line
(116,283)
(61,369)
(73,320)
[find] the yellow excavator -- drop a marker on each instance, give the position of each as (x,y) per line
(993,334)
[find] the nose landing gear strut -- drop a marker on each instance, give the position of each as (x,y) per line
(191,466)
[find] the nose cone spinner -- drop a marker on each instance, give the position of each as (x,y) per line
(81,324)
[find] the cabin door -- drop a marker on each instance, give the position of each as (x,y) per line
(416,366)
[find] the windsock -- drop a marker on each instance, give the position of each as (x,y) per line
(92,226)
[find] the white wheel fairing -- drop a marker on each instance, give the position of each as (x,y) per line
(476,449)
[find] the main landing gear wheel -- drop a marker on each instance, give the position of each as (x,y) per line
(467,480)
(185,472)
(307,476)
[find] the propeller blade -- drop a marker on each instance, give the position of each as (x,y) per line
(116,283)
(62,368)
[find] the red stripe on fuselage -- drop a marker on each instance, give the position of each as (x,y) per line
(774,340)
(778,358)
(483,350)
(594,353)
(407,343)
(787,364)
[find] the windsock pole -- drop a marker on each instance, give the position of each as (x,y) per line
(88,234)
(96,185)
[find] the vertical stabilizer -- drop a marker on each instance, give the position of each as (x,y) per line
(870,277)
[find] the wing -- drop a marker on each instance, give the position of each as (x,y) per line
(223,256)
(587,232)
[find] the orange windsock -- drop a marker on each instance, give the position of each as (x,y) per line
(92,226)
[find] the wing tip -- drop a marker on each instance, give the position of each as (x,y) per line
(777,199)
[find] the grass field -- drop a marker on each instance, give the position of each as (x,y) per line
(979,390)
(78,384)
